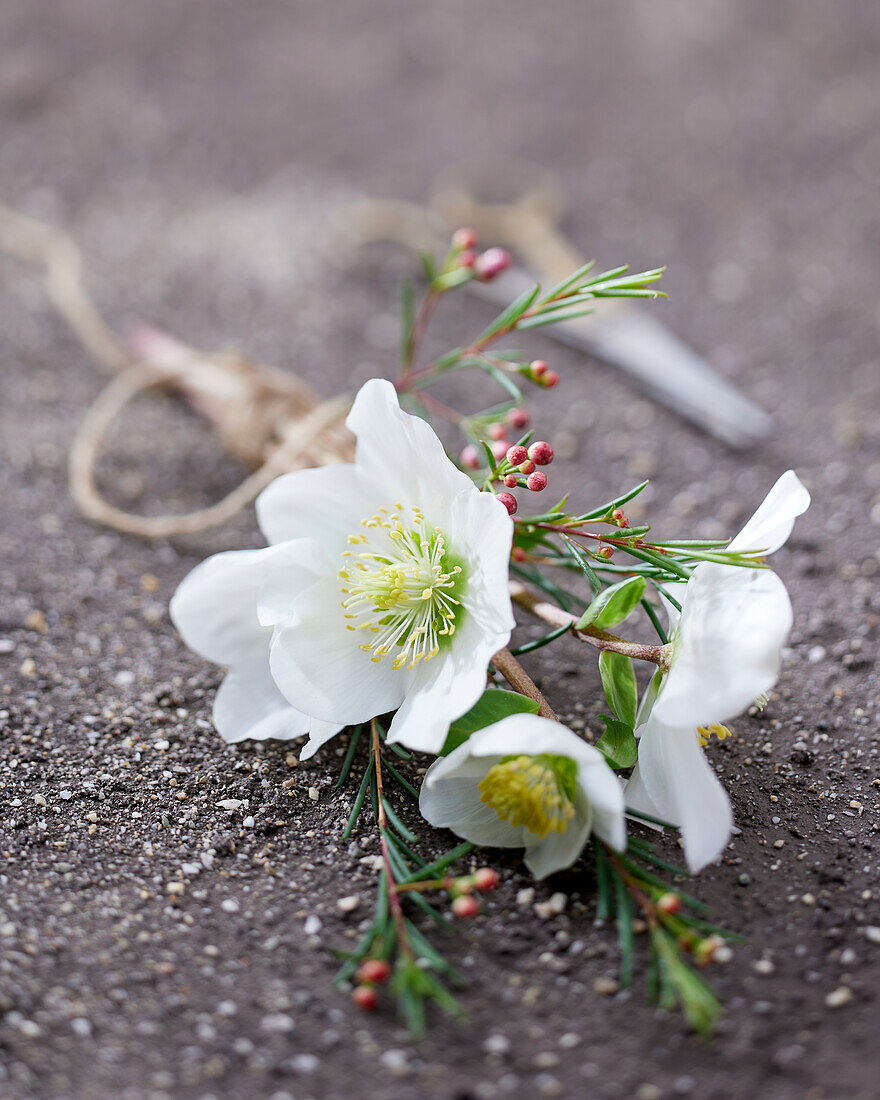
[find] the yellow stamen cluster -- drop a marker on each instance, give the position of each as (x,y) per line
(705,733)
(400,587)
(529,791)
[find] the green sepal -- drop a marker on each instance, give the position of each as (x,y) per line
(493,705)
(613,604)
(617,743)
(619,683)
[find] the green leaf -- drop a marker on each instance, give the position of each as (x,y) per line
(617,743)
(613,604)
(619,682)
(493,705)
(510,315)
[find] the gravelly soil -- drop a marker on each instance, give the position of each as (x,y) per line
(153,945)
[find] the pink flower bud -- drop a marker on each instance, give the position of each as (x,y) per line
(486,878)
(516,455)
(497,431)
(365,997)
(467,258)
(605,552)
(509,502)
(510,481)
(538,368)
(374,971)
(619,517)
(536,481)
(470,457)
(527,467)
(541,453)
(668,903)
(550,379)
(518,418)
(491,263)
(464,239)
(518,554)
(500,448)
(465,906)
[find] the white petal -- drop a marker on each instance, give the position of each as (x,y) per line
(215,606)
(530,735)
(319,734)
(444,688)
(248,705)
(481,531)
(772,523)
(326,504)
(318,666)
(400,451)
(603,791)
(685,790)
(437,695)
(636,796)
(294,567)
(728,646)
(454,803)
(557,850)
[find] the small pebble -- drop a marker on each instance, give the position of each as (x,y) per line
(496,1044)
(348,904)
(839,997)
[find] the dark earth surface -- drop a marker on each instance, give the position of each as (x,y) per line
(155,946)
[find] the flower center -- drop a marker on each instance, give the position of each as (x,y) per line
(534,791)
(401,587)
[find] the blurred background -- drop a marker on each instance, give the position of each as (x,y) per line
(200,153)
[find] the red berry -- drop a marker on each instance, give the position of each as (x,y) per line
(541,453)
(538,368)
(536,481)
(365,997)
(464,239)
(487,878)
(374,971)
(509,502)
(516,455)
(550,379)
(465,906)
(510,481)
(470,457)
(518,418)
(497,431)
(500,448)
(491,263)
(527,467)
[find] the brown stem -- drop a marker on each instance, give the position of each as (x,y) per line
(393,897)
(593,635)
(420,323)
(514,673)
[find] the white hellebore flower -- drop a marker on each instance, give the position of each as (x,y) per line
(384,588)
(526,782)
(726,652)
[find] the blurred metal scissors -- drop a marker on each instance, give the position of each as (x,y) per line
(629,339)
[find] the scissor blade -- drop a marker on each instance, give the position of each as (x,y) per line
(629,338)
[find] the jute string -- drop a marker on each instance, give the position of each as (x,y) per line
(266,417)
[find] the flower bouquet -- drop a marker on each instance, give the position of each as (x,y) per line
(382,612)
